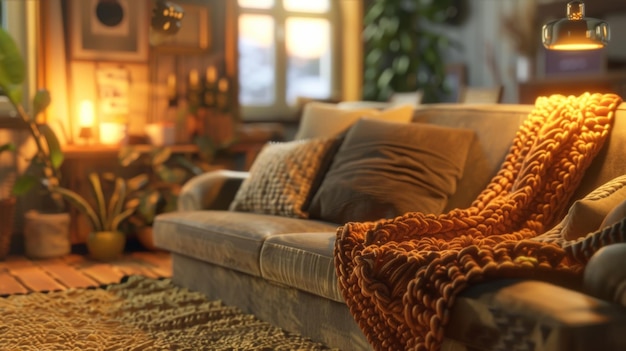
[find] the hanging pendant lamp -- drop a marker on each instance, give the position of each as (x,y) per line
(575,32)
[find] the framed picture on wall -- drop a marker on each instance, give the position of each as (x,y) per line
(108,30)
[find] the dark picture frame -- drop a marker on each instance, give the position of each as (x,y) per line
(101,31)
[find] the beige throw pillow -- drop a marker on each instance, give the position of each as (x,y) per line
(321,120)
(586,215)
(615,215)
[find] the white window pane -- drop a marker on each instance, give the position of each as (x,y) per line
(256,4)
(256,60)
(316,6)
(309,58)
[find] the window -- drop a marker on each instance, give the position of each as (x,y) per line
(285,52)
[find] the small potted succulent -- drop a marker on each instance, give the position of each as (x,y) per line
(105,241)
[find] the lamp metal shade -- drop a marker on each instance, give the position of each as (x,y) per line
(575,32)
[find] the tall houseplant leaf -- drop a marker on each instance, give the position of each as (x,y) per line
(116,204)
(12,68)
(101,207)
(81,205)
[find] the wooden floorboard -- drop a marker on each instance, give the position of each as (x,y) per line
(20,275)
(68,275)
(9,285)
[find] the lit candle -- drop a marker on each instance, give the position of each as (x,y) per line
(171,87)
(222,96)
(223,85)
(194,79)
(211,74)
(112,133)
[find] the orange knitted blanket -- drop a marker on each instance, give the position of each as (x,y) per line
(400,276)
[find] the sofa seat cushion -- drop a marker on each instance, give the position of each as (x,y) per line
(229,239)
(304,262)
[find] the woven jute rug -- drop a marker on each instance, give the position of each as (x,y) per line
(137,314)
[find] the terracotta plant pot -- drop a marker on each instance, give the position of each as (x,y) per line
(106,246)
(146,239)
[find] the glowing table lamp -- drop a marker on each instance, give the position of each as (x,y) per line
(86,122)
(575,32)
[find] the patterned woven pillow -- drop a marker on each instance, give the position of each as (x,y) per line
(282,176)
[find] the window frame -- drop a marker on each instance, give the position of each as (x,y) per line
(281,110)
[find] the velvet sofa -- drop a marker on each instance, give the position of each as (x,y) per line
(281,267)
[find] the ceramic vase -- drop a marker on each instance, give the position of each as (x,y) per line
(106,246)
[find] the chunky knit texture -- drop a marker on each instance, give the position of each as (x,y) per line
(400,277)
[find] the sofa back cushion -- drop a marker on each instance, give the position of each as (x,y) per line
(494,126)
(610,162)
(325,120)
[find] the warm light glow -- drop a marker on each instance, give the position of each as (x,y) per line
(258,29)
(112,133)
(223,85)
(172,91)
(86,114)
(194,79)
(307,37)
(575,32)
(256,4)
(316,6)
(211,74)
(576,47)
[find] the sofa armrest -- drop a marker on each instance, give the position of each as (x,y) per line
(605,276)
(213,190)
(534,315)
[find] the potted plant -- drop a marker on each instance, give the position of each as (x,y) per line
(105,241)
(44,164)
(167,173)
(403,49)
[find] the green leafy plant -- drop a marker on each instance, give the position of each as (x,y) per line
(105,215)
(402,51)
(166,175)
(48,158)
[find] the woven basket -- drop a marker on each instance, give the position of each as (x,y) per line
(7,216)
